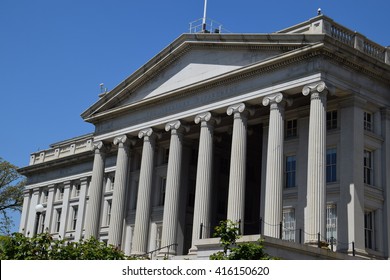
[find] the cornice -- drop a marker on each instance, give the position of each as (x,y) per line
(323,49)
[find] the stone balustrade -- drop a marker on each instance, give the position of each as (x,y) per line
(63,149)
(324,25)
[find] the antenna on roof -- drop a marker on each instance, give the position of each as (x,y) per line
(204,16)
(103,90)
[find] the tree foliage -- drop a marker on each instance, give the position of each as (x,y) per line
(44,247)
(11,194)
(228,232)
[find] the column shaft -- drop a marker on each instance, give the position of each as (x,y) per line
(171,203)
(236,196)
(274,176)
(315,215)
(142,218)
(202,207)
(119,195)
(92,225)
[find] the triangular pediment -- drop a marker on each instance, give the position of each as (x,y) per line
(192,59)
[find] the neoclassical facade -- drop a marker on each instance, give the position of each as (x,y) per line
(287,134)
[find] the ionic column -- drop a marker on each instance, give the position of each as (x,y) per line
(92,221)
(236,197)
(171,203)
(119,195)
(315,214)
(274,176)
(142,214)
(203,177)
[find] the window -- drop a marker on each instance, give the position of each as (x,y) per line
(290,171)
(331,120)
(112,182)
(42,223)
(158,236)
(368,125)
(165,156)
(331,222)
(76,188)
(60,192)
(161,198)
(58,220)
(369,229)
(289,224)
(45,196)
(331,159)
(108,212)
(291,128)
(75,211)
(368,172)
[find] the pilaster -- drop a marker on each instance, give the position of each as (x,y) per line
(25,212)
(65,209)
(81,208)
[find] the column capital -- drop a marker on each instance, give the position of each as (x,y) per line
(239,108)
(100,146)
(176,126)
(315,88)
(147,133)
(206,117)
(276,98)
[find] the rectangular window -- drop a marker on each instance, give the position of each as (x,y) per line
(60,192)
(45,196)
(331,120)
(112,182)
(369,229)
(165,156)
(290,171)
(76,192)
(108,215)
(158,235)
(331,223)
(289,224)
(161,198)
(75,211)
(368,121)
(331,165)
(42,223)
(291,128)
(58,220)
(368,167)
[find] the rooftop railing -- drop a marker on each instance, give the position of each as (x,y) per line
(325,25)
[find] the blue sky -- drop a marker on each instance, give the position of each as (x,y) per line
(54,54)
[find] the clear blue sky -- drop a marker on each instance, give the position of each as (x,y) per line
(54,54)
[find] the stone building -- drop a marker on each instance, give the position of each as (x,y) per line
(286,133)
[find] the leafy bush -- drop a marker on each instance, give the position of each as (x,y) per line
(44,247)
(228,232)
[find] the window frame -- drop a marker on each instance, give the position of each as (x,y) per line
(291,130)
(290,173)
(331,165)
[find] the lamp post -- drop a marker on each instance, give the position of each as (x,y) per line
(38,209)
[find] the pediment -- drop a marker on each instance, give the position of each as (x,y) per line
(190,60)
